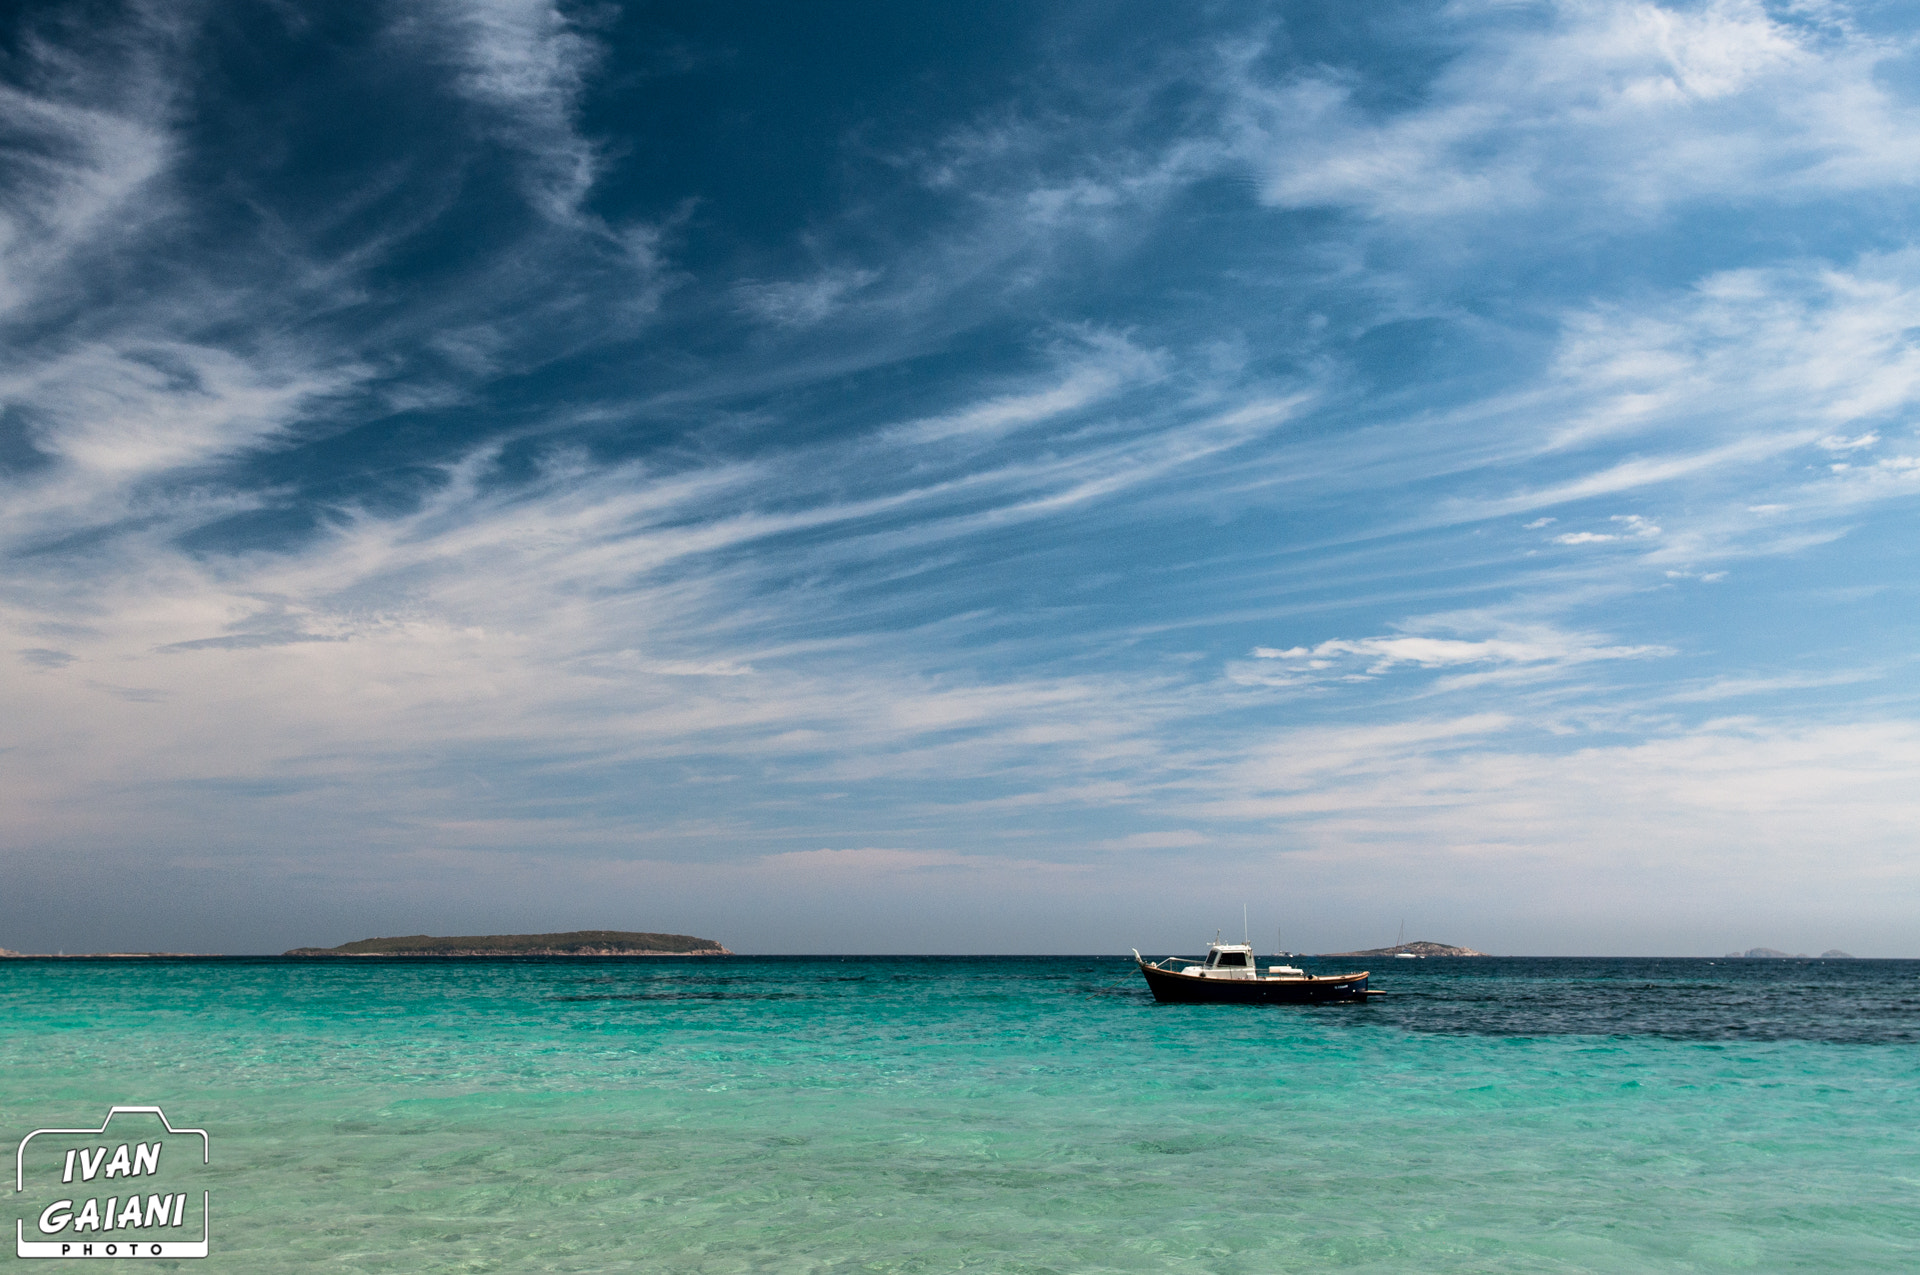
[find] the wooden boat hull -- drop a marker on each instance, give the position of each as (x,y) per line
(1185,989)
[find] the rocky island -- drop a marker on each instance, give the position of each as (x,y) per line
(571,943)
(1419,948)
(1775,954)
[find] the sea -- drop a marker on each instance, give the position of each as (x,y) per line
(998,1114)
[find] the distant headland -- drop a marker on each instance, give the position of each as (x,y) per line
(7,954)
(571,943)
(1419,948)
(1775,954)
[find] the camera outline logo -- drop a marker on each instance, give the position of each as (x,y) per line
(159,1215)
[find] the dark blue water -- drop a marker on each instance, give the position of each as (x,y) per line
(1852,1001)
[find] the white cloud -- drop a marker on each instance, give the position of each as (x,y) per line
(527,63)
(802,302)
(1556,112)
(87,144)
(1098,365)
(1833,443)
(1722,688)
(1804,350)
(142,407)
(582,614)
(1537,648)
(1632,526)
(1730,797)
(1720,390)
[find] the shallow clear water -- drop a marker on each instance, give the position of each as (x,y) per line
(993,1114)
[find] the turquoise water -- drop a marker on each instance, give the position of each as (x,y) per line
(861,1114)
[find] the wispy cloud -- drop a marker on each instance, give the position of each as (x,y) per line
(1630,526)
(1099,365)
(87,142)
(803,302)
(142,408)
(526,63)
(1724,688)
(973,514)
(1731,387)
(1553,114)
(1363,659)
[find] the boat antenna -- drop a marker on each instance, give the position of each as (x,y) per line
(1243,926)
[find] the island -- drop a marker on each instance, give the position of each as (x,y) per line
(571,943)
(1419,948)
(1775,954)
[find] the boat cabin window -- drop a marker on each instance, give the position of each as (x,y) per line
(1230,958)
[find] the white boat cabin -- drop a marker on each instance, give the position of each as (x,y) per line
(1235,960)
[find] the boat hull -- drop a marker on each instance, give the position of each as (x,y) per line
(1185,989)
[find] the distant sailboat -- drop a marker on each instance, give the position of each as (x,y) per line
(1400,941)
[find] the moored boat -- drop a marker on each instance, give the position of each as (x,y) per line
(1229,975)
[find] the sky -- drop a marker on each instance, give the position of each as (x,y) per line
(864,477)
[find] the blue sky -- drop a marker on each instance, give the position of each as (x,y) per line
(869,477)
